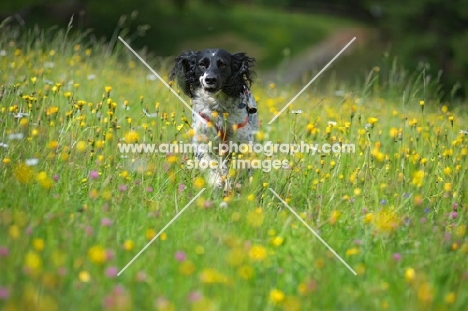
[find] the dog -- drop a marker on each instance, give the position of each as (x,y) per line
(224,110)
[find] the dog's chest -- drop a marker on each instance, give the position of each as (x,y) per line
(224,116)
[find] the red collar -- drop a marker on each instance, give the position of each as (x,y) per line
(220,130)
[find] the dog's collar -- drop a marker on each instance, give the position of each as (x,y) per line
(220,130)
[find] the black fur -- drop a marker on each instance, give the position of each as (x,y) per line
(184,72)
(231,72)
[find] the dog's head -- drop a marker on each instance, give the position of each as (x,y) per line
(214,70)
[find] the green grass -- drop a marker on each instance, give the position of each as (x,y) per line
(396,210)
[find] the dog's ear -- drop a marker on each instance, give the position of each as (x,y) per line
(242,75)
(184,72)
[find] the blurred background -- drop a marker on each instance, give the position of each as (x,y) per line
(289,38)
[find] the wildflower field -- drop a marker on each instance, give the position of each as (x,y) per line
(74,210)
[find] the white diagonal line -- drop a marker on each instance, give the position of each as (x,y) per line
(161,79)
(162,230)
(312,230)
(310,82)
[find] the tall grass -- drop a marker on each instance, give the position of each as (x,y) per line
(395,210)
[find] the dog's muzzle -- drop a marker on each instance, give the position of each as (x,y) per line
(210,83)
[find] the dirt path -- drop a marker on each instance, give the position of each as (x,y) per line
(317,56)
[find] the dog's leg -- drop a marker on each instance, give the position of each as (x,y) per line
(210,163)
(224,170)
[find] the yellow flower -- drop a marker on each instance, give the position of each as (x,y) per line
(386,221)
(84,276)
(260,135)
(368,218)
(360,269)
(447,171)
(291,303)
(150,233)
(410,274)
(14,232)
(418,200)
(23,173)
(131,137)
(450,298)
(202,304)
(33,262)
(302,288)
(24,122)
(53,144)
(97,254)
(81,146)
(171,159)
(128,245)
(210,275)
(372,120)
(448,187)
(277,241)
(255,218)
(276,296)
(38,244)
(425,292)
(460,231)
(393,132)
(187,267)
(418,178)
(334,217)
(199,250)
(106,195)
(257,253)
(199,182)
(44,180)
(352,251)
(108,89)
(447,152)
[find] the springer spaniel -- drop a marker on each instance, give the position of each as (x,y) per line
(218,84)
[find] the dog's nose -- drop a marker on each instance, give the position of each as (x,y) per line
(210,80)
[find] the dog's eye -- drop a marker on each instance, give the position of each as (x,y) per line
(221,64)
(203,64)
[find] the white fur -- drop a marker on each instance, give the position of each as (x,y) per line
(206,103)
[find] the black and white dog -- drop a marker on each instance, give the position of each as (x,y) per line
(218,84)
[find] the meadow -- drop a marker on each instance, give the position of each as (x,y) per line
(74,211)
